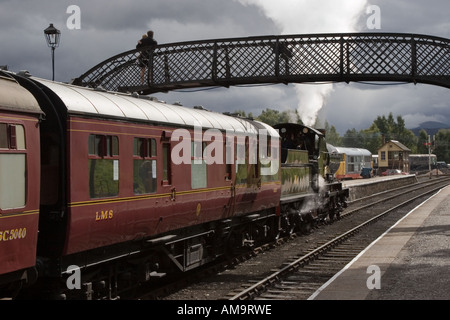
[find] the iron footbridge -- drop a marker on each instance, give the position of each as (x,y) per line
(276,59)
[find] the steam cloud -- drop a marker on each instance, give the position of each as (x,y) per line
(306,16)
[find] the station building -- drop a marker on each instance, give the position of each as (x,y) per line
(393,155)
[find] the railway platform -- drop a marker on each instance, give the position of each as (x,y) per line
(359,188)
(409,262)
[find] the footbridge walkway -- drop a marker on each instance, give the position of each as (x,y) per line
(276,59)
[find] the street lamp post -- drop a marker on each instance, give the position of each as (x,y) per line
(52,36)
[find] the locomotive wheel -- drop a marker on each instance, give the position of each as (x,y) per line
(287,226)
(332,215)
(296,222)
(306,227)
(307,224)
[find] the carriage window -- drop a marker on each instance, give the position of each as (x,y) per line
(198,165)
(12,180)
(20,137)
(13,173)
(103,146)
(241,159)
(269,168)
(103,166)
(12,136)
(4,136)
(144,165)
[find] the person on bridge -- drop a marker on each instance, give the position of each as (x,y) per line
(146,41)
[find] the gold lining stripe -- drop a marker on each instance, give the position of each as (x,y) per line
(23,213)
(142,126)
(152,196)
(126,125)
(137,135)
(145,197)
(33,119)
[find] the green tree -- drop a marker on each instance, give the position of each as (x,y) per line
(372,138)
(241,113)
(421,141)
(442,145)
(383,125)
(332,135)
(351,139)
(272,117)
(396,130)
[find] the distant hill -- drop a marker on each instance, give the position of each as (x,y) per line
(431,127)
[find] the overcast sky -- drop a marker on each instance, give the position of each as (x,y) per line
(109,27)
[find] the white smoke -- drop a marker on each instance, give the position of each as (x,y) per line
(307,16)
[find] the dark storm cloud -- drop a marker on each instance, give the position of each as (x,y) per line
(116,15)
(111,27)
(356,106)
(421,17)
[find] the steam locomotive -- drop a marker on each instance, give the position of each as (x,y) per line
(102,191)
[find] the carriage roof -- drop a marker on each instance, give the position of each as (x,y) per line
(87,101)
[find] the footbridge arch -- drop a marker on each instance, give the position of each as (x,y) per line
(276,59)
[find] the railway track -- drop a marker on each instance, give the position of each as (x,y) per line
(308,261)
(300,278)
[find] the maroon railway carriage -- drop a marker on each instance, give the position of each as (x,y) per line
(127,189)
(19,183)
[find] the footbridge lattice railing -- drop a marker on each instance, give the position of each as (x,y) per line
(276,59)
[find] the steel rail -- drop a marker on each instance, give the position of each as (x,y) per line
(260,286)
(423,185)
